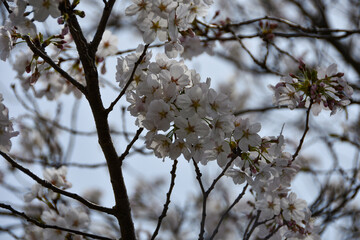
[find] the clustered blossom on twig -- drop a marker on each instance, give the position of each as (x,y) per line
(170,21)
(183,116)
(51,210)
(325,88)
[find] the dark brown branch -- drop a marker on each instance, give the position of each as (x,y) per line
(259,110)
(168,199)
(259,63)
(212,186)
(304,134)
(42,225)
(48,60)
(207,193)
(227,211)
(6,5)
(255,224)
(48,185)
(122,209)
(198,176)
(126,152)
(102,25)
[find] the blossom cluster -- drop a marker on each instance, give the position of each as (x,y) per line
(323,88)
(184,116)
(53,211)
(6,128)
(168,20)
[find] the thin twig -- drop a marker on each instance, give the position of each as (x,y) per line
(128,147)
(255,224)
(167,202)
(39,224)
(212,186)
(102,25)
(260,64)
(304,134)
(207,193)
(48,60)
(228,210)
(48,185)
(6,5)
(198,176)
(264,109)
(110,108)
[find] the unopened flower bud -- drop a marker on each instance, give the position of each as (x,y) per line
(339,74)
(60,20)
(28,68)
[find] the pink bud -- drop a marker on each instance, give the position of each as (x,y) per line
(28,68)
(340,74)
(60,20)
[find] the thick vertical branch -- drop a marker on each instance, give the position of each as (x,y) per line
(122,210)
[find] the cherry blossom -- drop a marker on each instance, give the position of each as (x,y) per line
(6,43)
(108,45)
(6,128)
(43,8)
(293,208)
(323,88)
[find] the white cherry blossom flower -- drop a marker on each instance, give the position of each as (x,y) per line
(192,102)
(293,208)
(152,28)
(162,8)
(17,19)
(222,126)
(285,93)
(159,114)
(269,206)
(139,6)
(246,133)
(238,176)
(218,104)
(57,177)
(173,48)
(160,144)
(179,147)
(108,45)
(191,129)
(6,128)
(37,191)
(162,62)
(218,150)
(176,74)
(43,8)
(74,218)
(6,43)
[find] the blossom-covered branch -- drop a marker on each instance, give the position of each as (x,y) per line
(42,225)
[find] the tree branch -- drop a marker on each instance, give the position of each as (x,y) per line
(126,152)
(48,60)
(102,25)
(227,211)
(168,199)
(110,108)
(304,134)
(122,209)
(42,225)
(48,185)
